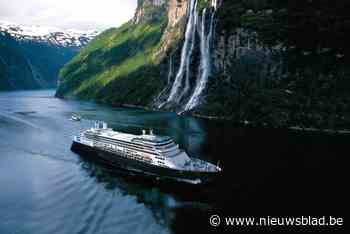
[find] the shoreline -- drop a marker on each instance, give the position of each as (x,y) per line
(329,131)
(246,123)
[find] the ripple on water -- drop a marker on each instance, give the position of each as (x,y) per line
(54,192)
(91,209)
(98,222)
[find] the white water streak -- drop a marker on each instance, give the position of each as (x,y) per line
(188,63)
(184,53)
(36,76)
(170,73)
(205,66)
(214,3)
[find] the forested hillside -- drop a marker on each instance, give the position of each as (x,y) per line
(264,62)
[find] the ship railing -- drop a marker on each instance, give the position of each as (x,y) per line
(166,150)
(155,150)
(86,141)
(104,147)
(202,165)
(123,153)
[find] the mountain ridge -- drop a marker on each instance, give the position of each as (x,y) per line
(31,57)
(50,35)
(263,62)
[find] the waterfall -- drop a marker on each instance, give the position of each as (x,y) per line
(185,54)
(205,66)
(36,75)
(170,74)
(214,3)
(188,62)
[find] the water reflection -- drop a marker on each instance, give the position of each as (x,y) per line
(49,189)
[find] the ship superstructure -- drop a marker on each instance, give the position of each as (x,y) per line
(148,153)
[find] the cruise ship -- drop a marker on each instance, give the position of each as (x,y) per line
(146,154)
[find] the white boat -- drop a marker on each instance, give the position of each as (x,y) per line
(75,118)
(147,154)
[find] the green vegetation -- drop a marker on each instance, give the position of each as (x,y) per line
(117,66)
(303,24)
(30,64)
(4,83)
(14,70)
(305,82)
(201,4)
(313,92)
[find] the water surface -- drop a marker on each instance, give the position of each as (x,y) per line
(46,188)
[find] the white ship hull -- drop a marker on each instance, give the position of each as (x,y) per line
(147,154)
(121,162)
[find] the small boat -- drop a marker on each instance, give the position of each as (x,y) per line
(75,117)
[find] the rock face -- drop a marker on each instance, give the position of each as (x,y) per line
(275,64)
(15,71)
(195,63)
(149,10)
(243,46)
(119,65)
(261,62)
(31,57)
(177,11)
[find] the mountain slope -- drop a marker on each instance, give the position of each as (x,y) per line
(118,66)
(282,63)
(265,62)
(30,57)
(49,35)
(15,72)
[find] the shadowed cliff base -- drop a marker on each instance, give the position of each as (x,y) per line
(272,63)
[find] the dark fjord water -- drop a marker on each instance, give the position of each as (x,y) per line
(45,188)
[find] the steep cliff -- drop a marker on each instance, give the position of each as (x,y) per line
(15,71)
(30,57)
(129,65)
(119,66)
(264,62)
(281,63)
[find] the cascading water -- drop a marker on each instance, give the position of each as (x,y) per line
(185,54)
(214,3)
(188,62)
(36,75)
(205,66)
(170,74)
